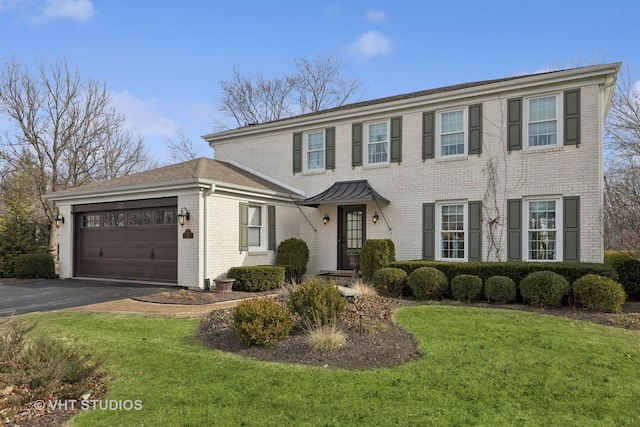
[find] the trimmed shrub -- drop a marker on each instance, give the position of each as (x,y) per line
(466,287)
(543,289)
(293,254)
(428,283)
(257,278)
(599,293)
(390,282)
(37,265)
(261,321)
(628,269)
(500,290)
(376,254)
(317,302)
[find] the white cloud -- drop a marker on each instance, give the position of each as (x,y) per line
(370,44)
(143,116)
(75,10)
(375,16)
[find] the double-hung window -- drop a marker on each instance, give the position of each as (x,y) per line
(314,144)
(378,142)
(542,121)
(256,229)
(452,135)
(452,236)
(542,236)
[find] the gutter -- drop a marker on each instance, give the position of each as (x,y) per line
(205,230)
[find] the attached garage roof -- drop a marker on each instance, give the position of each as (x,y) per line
(346,192)
(192,170)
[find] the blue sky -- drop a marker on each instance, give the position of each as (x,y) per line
(163,60)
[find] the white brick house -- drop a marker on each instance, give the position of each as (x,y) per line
(506,169)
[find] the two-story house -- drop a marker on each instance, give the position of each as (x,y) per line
(505,169)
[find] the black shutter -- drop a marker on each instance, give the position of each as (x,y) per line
(428,231)
(297,152)
(514,230)
(514,124)
(475,231)
(571,229)
(271,228)
(428,135)
(572,117)
(330,148)
(396,140)
(244,227)
(356,144)
(475,129)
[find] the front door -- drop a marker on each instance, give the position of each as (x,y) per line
(351,232)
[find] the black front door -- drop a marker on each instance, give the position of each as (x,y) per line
(351,232)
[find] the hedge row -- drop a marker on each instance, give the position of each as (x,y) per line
(628,269)
(257,277)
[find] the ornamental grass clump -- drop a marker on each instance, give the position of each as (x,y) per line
(543,289)
(466,287)
(599,293)
(428,283)
(261,321)
(500,290)
(325,337)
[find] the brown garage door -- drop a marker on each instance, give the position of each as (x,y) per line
(128,240)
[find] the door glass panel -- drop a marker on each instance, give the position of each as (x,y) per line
(354,230)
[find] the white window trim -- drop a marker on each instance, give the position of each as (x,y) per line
(465,130)
(263,228)
(366,142)
(559,228)
(559,121)
(306,150)
(439,206)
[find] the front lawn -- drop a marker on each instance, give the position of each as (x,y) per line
(480,367)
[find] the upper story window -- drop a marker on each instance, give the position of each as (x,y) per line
(452,133)
(542,121)
(542,225)
(452,231)
(314,145)
(256,229)
(378,142)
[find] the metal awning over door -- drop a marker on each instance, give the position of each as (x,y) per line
(344,192)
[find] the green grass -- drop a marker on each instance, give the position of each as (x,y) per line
(481,367)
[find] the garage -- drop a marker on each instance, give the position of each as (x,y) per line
(133,240)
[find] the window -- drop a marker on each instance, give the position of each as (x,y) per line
(139,218)
(166,217)
(378,142)
(256,233)
(314,143)
(90,221)
(113,219)
(542,223)
(452,133)
(452,231)
(542,121)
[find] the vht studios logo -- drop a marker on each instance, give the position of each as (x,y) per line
(86,405)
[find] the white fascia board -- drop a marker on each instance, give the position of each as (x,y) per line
(600,72)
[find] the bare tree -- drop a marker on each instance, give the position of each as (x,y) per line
(622,177)
(65,132)
(182,148)
(316,85)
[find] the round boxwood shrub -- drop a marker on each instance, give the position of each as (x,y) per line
(293,254)
(390,281)
(317,301)
(466,287)
(543,289)
(599,293)
(261,321)
(428,283)
(35,266)
(376,254)
(500,290)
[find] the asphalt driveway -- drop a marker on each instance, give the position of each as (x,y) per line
(47,295)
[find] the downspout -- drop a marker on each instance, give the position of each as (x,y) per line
(205,230)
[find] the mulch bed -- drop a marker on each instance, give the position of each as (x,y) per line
(192,297)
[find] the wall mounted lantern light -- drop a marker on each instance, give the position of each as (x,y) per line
(183,216)
(325,219)
(59,219)
(375,217)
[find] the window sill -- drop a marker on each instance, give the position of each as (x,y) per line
(313,172)
(377,166)
(451,159)
(532,150)
(258,252)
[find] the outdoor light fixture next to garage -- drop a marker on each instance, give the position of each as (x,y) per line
(59,219)
(325,219)
(183,216)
